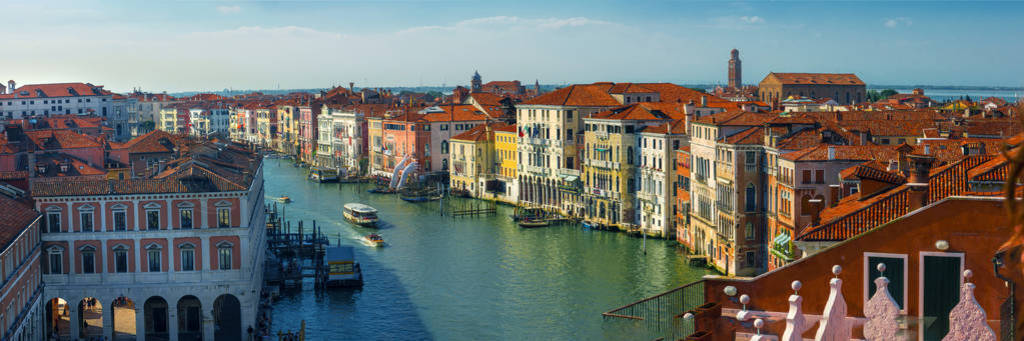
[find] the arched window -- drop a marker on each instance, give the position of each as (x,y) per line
(751,198)
(444,147)
(629,155)
(444,163)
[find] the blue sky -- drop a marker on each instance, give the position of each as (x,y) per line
(210,45)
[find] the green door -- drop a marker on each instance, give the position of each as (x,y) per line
(893,271)
(941,291)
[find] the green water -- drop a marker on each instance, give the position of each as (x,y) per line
(480,278)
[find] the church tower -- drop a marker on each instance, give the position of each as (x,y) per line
(476,84)
(735,70)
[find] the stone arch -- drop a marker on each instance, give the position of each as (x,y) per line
(58,318)
(190,318)
(227,318)
(122,317)
(155,318)
(90,317)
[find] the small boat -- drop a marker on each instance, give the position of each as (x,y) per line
(461,193)
(420,195)
(381,190)
(360,214)
(374,240)
(588,225)
(531,223)
(342,268)
(528,213)
(284,199)
(323,175)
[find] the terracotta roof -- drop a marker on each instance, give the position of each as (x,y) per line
(676,127)
(156,141)
(754,135)
(874,170)
(996,169)
(56,90)
(855,153)
(487,98)
(816,78)
(51,139)
(643,111)
(74,166)
(17,217)
(457,112)
(481,132)
(585,95)
(735,118)
(507,128)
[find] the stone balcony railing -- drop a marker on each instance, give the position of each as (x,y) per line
(883,319)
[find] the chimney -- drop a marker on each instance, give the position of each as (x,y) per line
(11,86)
(703,101)
(893,166)
(927,150)
(31,164)
(863,138)
(3,89)
(917,180)
(831,152)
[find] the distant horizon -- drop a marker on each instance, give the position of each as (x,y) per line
(206,44)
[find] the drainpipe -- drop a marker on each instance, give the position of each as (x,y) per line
(1008,330)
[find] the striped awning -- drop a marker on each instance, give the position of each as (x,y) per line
(781,239)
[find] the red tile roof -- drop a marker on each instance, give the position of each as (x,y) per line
(816,78)
(51,139)
(56,90)
(735,118)
(585,95)
(849,153)
(754,135)
(17,217)
(484,132)
(676,127)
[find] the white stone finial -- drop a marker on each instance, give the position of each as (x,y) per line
(882,312)
(834,325)
(796,323)
(881,268)
(744,299)
(967,320)
(729,290)
(968,274)
(836,269)
(796,285)
(758,323)
(688,316)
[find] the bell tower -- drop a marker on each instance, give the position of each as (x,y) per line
(476,84)
(735,70)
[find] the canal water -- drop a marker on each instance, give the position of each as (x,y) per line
(480,278)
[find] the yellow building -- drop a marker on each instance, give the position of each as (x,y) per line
(611,158)
(287,127)
(169,120)
(473,162)
(507,157)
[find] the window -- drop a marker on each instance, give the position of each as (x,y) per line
(224,256)
(153,256)
(53,220)
(751,259)
(186,218)
(750,231)
(895,271)
(120,220)
(751,198)
(86,218)
(223,217)
(56,260)
(152,219)
(806,176)
(121,258)
(188,257)
(751,158)
(88,260)
(444,147)
(819,176)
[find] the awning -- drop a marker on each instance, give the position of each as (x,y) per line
(781,239)
(601,149)
(569,178)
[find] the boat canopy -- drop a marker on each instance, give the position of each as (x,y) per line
(357,207)
(340,254)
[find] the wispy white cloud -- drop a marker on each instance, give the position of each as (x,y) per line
(898,22)
(752,19)
(229,9)
(735,22)
(504,23)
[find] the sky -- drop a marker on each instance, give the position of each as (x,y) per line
(172,45)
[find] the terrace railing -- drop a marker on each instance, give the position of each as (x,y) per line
(660,316)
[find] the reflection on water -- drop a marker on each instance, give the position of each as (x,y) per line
(467,278)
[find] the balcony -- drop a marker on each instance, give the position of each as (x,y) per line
(601,135)
(536,170)
(603,164)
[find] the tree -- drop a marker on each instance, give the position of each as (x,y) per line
(147,126)
(888,92)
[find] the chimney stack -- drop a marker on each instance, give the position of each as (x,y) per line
(917,180)
(11,86)
(704,101)
(831,152)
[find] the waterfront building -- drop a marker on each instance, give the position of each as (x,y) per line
(288,126)
(474,166)
(70,98)
(726,148)
(844,88)
(266,125)
(396,135)
(684,234)
(349,136)
(180,251)
(611,156)
(506,154)
(325,140)
(446,121)
(656,207)
(21,291)
(208,119)
(307,134)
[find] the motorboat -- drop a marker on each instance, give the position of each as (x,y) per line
(360,214)
(374,240)
(284,199)
(323,175)
(342,268)
(528,213)
(533,222)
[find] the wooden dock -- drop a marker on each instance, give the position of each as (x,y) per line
(295,254)
(473,208)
